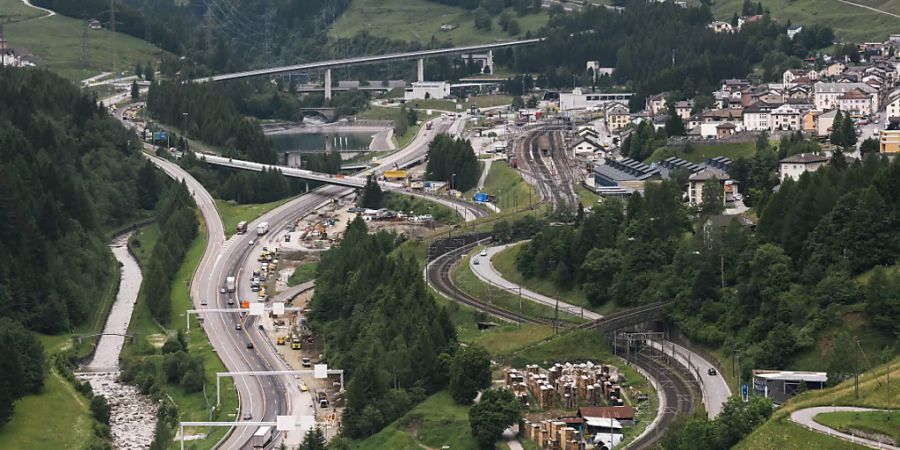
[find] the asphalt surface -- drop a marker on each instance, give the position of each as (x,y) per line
(804,417)
(485,271)
(677,391)
(438,276)
(715,390)
(263,398)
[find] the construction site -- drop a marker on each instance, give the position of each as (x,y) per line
(575,406)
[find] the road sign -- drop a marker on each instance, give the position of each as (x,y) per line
(285,423)
(745,392)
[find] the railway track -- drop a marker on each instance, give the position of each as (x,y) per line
(543,160)
(438,273)
(679,392)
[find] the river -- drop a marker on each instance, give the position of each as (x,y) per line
(133,418)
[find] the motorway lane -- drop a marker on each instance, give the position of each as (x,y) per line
(259,396)
(250,390)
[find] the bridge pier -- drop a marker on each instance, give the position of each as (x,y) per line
(327,84)
(421,69)
(489,64)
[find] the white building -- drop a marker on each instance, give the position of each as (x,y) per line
(827,95)
(893,104)
(794,166)
(427,89)
(785,117)
(719,26)
(856,102)
(587,145)
(578,100)
(617,117)
(757,117)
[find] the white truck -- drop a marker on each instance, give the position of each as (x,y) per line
(229,284)
(262,437)
(262,228)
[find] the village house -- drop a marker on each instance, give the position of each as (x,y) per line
(794,166)
(824,123)
(683,109)
(719,26)
(893,104)
(785,117)
(828,95)
(757,117)
(656,104)
(833,70)
(855,102)
(617,117)
(697,180)
(725,130)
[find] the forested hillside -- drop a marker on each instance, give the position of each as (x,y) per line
(211,117)
(382,326)
(768,294)
(219,35)
(67,172)
(656,47)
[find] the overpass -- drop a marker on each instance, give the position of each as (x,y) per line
(338,180)
(361,60)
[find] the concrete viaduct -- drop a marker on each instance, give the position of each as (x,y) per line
(361,60)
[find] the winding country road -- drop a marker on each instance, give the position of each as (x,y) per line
(806,418)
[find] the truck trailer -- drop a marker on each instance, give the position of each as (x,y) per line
(242,227)
(229,284)
(262,228)
(262,437)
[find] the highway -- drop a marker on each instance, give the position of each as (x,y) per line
(360,60)
(262,398)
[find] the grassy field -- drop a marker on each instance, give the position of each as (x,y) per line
(193,406)
(505,263)
(469,283)
(57,418)
(435,423)
(143,242)
(701,153)
(303,273)
(779,433)
(886,423)
(420,206)
(420,20)
(849,22)
(510,190)
(232,213)
(587,197)
(56,41)
(784,435)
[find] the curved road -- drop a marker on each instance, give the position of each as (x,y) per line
(262,398)
(805,418)
(714,388)
(674,389)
